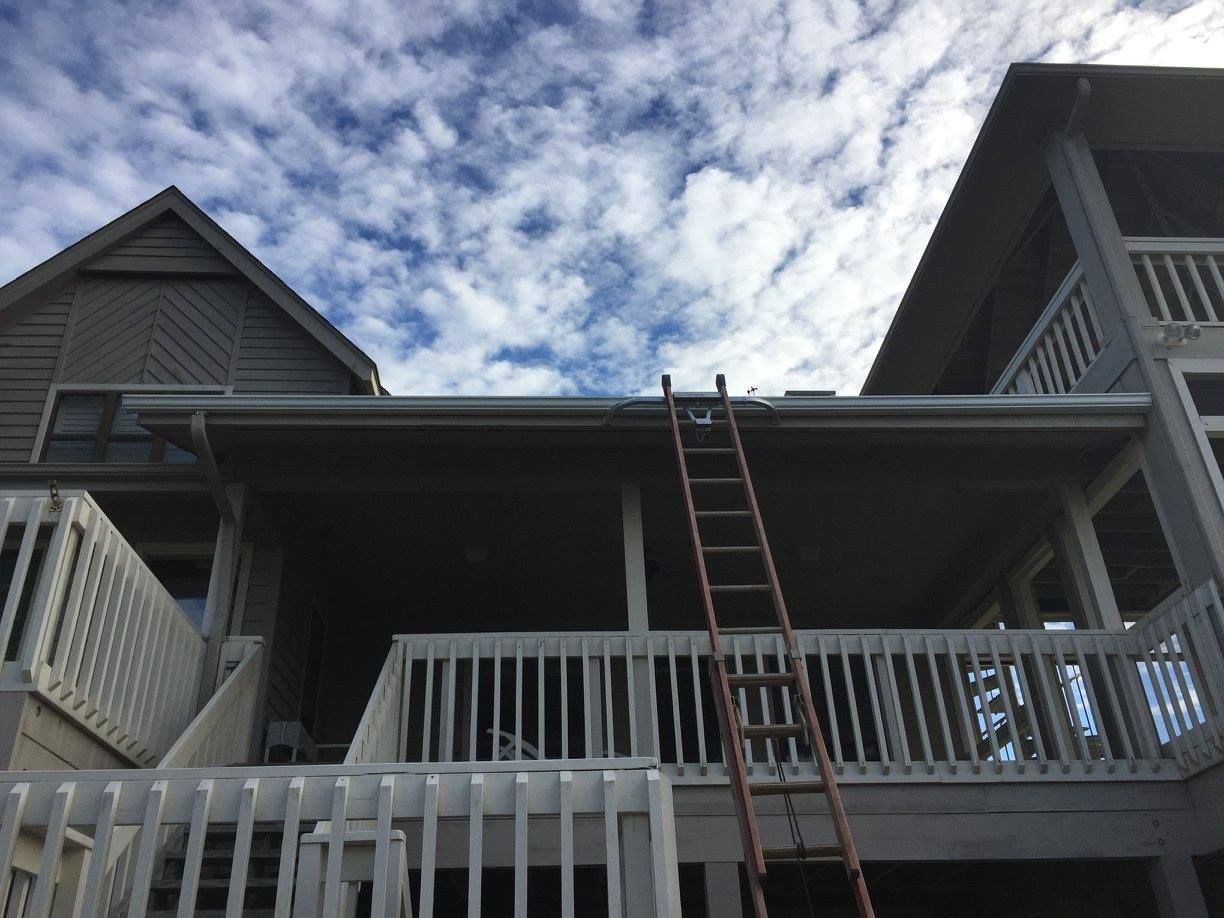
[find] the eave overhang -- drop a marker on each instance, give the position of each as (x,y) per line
(1004,179)
(231,419)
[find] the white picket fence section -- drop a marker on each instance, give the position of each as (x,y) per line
(1063,343)
(1181,278)
(88,627)
(616,816)
(920,704)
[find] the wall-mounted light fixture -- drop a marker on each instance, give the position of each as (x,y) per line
(1179,334)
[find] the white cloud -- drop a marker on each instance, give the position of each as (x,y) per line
(491,202)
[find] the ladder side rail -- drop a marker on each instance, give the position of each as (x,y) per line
(734,755)
(840,822)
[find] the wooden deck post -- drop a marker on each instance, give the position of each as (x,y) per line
(1079,556)
(722,890)
(638,618)
(1176,885)
(1174,466)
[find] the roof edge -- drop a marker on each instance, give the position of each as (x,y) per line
(42,277)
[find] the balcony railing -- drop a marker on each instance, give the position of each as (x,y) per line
(1181,278)
(1064,342)
(87,627)
(895,705)
(307,837)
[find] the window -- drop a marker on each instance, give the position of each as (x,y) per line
(186,578)
(94,427)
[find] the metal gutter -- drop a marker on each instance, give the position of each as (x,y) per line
(357,410)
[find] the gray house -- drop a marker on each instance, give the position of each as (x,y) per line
(278,642)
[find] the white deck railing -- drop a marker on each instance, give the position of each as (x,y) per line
(1179,653)
(1182,281)
(221,734)
(88,627)
(613,815)
(908,705)
(1064,342)
(1181,278)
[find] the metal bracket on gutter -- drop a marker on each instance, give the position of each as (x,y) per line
(1079,107)
(636,400)
(208,459)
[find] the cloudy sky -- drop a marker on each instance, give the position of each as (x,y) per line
(547,197)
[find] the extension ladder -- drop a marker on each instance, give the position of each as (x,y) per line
(698,411)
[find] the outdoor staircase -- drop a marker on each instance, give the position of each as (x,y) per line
(214,885)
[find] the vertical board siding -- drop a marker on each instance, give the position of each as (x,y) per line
(29,351)
(168,244)
(276,355)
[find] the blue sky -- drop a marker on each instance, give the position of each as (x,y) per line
(547,197)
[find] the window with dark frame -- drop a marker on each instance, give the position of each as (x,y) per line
(94,427)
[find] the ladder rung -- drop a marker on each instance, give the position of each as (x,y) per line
(697,396)
(756,629)
(782,788)
(810,853)
(740,588)
(715,480)
(727,513)
(751,680)
(710,449)
(730,549)
(759,731)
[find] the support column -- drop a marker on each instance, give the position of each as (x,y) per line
(1016,603)
(635,557)
(1078,551)
(638,615)
(637,889)
(1176,885)
(1176,471)
(722,890)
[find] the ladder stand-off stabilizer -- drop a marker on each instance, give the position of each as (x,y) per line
(697,411)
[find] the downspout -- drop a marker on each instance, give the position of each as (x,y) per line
(225,558)
(1079,107)
(208,460)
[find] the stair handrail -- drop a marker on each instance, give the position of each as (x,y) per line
(221,733)
(377,737)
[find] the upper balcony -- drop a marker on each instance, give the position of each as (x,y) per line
(1181,281)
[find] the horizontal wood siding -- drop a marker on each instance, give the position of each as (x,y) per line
(29,350)
(277,355)
(269,613)
(166,245)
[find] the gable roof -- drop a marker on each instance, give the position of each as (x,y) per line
(1003,181)
(43,278)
